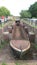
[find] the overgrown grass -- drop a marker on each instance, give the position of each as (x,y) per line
(20,63)
(17,64)
(3,43)
(1,25)
(4,63)
(35,46)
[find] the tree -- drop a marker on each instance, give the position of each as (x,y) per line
(33,9)
(25,14)
(4,11)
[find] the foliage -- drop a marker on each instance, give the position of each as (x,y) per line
(35,46)
(3,43)
(25,14)
(4,63)
(4,11)
(16,63)
(33,9)
(32,12)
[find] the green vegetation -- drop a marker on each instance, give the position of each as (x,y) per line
(4,11)
(31,12)
(24,63)
(3,43)
(35,46)
(25,14)
(4,63)
(17,63)
(2,25)
(33,9)
(21,63)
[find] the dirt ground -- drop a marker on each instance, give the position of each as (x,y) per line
(21,62)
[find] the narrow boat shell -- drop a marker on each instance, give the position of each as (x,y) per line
(20,45)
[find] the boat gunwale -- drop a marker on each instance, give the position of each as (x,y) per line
(19,49)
